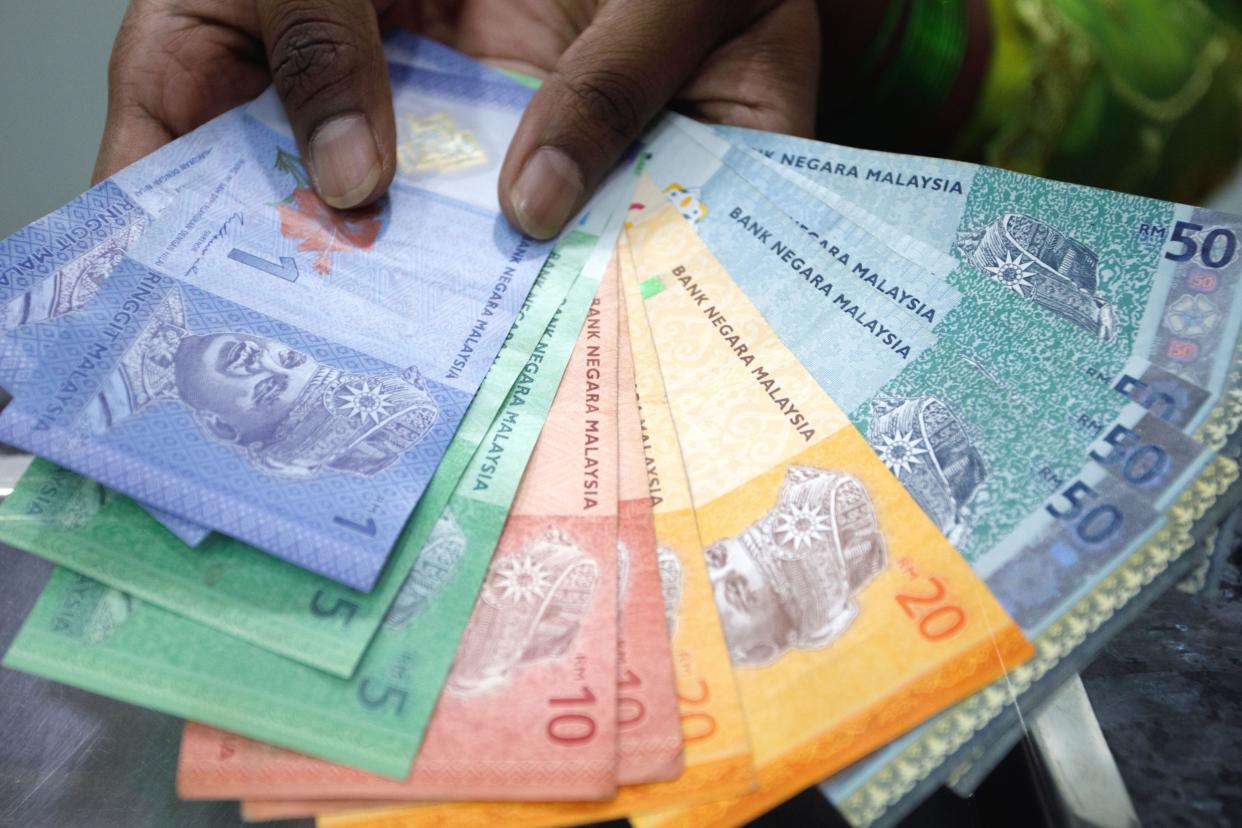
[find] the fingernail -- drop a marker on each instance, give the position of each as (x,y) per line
(345,162)
(546,191)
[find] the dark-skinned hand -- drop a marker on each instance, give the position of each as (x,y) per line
(608,68)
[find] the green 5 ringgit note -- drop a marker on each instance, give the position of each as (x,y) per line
(224,583)
(84,633)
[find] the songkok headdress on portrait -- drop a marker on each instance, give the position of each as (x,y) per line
(360,423)
(531,608)
(818,546)
(1039,262)
(340,421)
(932,454)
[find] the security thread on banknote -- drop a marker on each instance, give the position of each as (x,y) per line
(849,618)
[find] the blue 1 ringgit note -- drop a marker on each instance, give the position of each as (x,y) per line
(281,372)
(52,267)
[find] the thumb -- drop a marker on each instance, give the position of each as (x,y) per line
(328,67)
(614,79)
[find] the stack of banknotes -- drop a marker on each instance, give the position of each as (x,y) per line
(786,463)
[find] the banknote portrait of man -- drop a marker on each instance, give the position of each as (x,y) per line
(788,581)
(290,414)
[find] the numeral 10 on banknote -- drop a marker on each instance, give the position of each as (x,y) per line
(572,728)
(630,711)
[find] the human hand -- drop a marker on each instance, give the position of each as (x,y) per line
(608,69)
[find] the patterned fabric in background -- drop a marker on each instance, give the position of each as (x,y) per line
(1143,96)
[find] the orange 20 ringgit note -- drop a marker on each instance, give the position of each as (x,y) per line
(849,618)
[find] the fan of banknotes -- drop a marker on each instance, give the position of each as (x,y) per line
(786,462)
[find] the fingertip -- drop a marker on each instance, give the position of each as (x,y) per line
(545,194)
(328,67)
(346,165)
